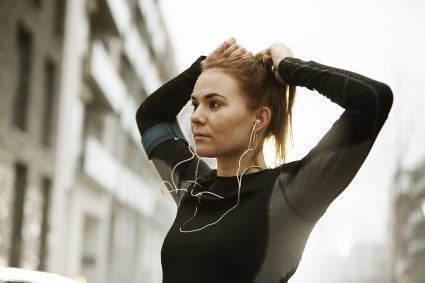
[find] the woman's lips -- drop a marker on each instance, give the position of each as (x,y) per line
(200,136)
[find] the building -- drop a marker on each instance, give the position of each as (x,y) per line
(30,67)
(409,225)
(77,194)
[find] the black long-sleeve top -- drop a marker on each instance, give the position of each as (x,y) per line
(263,239)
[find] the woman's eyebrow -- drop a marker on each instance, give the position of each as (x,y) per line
(209,96)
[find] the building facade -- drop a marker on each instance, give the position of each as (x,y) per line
(78,196)
(409,226)
(30,69)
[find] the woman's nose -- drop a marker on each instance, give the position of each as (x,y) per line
(198,116)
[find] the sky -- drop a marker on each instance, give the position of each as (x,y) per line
(384,40)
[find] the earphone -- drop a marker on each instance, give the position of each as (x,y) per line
(252,145)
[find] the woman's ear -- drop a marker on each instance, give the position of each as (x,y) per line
(263,117)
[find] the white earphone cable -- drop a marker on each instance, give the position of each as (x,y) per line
(239,179)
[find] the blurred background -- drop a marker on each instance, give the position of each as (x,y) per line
(78,196)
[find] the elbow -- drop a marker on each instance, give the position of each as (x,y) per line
(140,118)
(139,114)
(385,99)
(144,119)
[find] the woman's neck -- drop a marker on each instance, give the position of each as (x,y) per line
(228,166)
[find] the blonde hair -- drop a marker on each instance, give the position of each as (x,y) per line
(259,86)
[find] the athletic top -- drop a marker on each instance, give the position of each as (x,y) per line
(263,238)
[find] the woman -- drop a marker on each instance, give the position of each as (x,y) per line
(245,222)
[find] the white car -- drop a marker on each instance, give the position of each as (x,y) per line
(10,274)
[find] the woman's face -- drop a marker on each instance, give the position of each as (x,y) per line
(221,122)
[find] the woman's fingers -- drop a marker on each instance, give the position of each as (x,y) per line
(276,53)
(225,45)
(279,51)
(273,55)
(228,48)
(219,50)
(232,48)
(241,52)
(237,50)
(267,58)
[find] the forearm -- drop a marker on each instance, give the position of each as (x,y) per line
(367,102)
(165,103)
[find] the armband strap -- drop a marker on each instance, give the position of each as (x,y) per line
(159,133)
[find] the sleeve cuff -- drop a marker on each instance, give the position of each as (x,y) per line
(160,133)
(196,67)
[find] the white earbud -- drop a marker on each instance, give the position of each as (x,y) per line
(258,121)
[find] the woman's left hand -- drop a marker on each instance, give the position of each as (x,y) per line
(274,54)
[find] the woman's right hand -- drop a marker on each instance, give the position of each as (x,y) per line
(226,49)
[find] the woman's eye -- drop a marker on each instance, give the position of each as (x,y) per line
(194,106)
(214,104)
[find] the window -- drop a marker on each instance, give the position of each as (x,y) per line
(49,97)
(59,22)
(18,214)
(94,123)
(23,76)
(44,229)
(36,3)
(89,255)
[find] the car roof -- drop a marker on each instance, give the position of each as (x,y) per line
(23,275)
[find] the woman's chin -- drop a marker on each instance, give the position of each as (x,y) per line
(205,155)
(201,152)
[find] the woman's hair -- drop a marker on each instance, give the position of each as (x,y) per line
(259,86)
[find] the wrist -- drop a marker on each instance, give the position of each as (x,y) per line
(196,67)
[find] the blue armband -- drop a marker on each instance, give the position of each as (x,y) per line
(159,133)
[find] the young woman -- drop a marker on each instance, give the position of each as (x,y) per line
(244,222)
